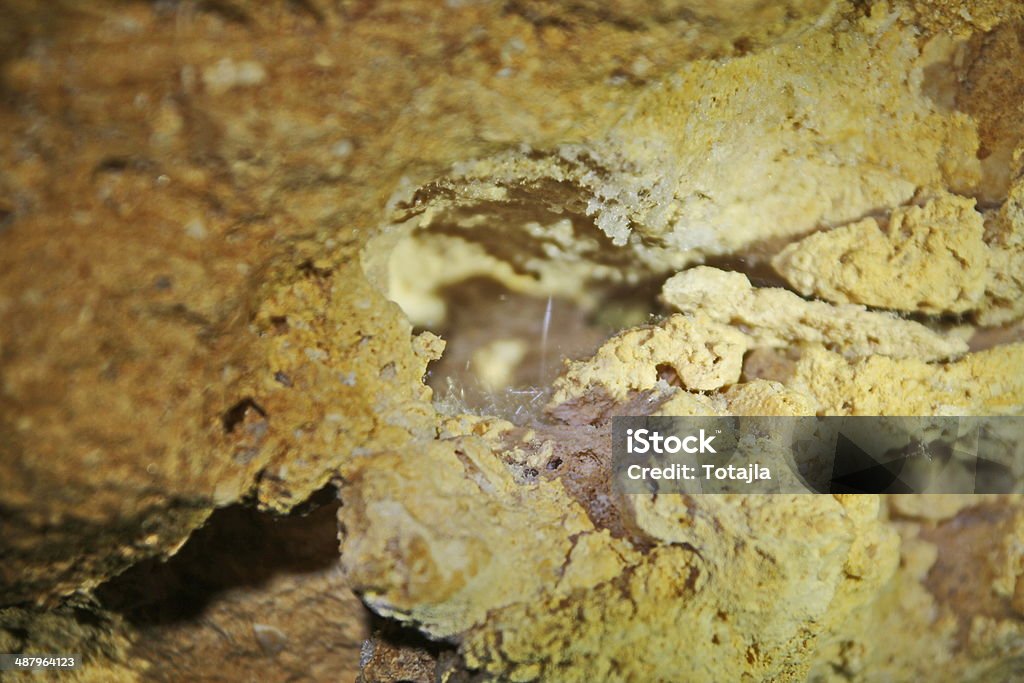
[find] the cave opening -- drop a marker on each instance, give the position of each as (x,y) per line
(505,348)
(515,288)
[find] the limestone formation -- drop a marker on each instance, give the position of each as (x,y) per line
(315,316)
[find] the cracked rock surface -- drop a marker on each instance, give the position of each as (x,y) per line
(314,317)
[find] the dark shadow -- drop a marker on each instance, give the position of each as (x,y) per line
(237,547)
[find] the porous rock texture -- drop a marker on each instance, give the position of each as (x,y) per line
(220,222)
(940,243)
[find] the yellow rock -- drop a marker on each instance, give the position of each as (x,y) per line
(930,259)
(773,317)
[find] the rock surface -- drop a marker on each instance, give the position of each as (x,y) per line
(221,260)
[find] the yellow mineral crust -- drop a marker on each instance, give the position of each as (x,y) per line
(629,629)
(447,536)
(335,381)
(963,17)
(751,156)
(958,582)
(702,354)
(194,285)
(759,397)
(930,259)
(1005,294)
(985,383)
(764,397)
(773,317)
(520,577)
